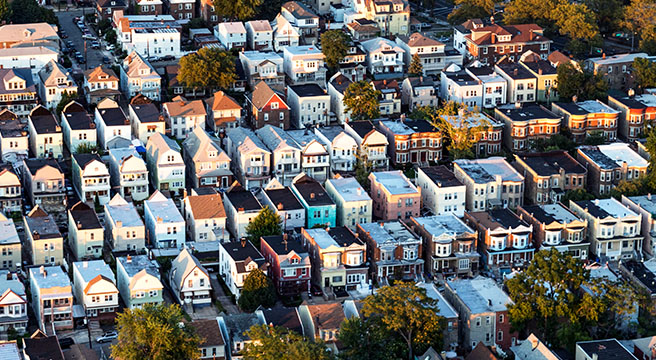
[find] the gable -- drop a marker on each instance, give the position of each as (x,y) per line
(8,178)
(100,286)
(133,163)
(315,147)
(276,99)
(95,168)
(375,138)
(10,297)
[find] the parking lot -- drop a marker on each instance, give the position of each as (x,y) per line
(94,57)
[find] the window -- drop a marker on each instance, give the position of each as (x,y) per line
(500,336)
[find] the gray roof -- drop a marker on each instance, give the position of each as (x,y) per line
(547,214)
(480,294)
(182,265)
(123,211)
(238,324)
(12,284)
(42,224)
(8,234)
(138,263)
(330,132)
(389,232)
(444,307)
(163,208)
(604,208)
(239,134)
(444,224)
(349,189)
(274,137)
(395,182)
(485,170)
(612,156)
(92,268)
(646,202)
(54,277)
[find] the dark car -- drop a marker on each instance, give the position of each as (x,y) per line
(105,60)
(63,34)
(81,60)
(168,58)
(316,290)
(65,343)
(95,45)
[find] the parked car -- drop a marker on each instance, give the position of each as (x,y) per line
(168,58)
(95,45)
(63,34)
(81,59)
(109,47)
(65,343)
(107,337)
(153,58)
(106,60)
(88,37)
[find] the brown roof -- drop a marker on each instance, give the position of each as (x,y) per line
(222,101)
(209,331)
(327,316)
(556,58)
(100,74)
(481,352)
(298,9)
(519,33)
(262,93)
(140,99)
(418,39)
(207,206)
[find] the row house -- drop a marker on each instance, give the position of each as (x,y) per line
(337,85)
(189,280)
(182,10)
(490,183)
(412,141)
(205,217)
(392,17)
(44,184)
(165,226)
(145,119)
(240,206)
(283,201)
(139,77)
(85,233)
(18,92)
(113,125)
(617,70)
(22,35)
(139,281)
(223,112)
(488,139)
(252,159)
(586,118)
(94,286)
(309,105)
(10,190)
(301,17)
(149,35)
(504,239)
(493,87)
(548,176)
(449,245)
(54,82)
(488,44)
(105,9)
(52,297)
(289,264)
(78,127)
(14,142)
(232,35)
(183,116)
(556,226)
(284,34)
(149,7)
(259,35)
(165,164)
(393,250)
(354,206)
(613,229)
(263,66)
(10,245)
(635,112)
(431,53)
(286,154)
(384,58)
(441,192)
(320,209)
(124,229)
(304,64)
(236,261)
(609,164)
(341,147)
(128,173)
(394,195)
(389,98)
(46,138)
(13,303)
(338,258)
(526,124)
(91,178)
(459,86)
(206,162)
(315,158)
(372,144)
(234,329)
(451,332)
(546,76)
(417,92)
(522,84)
(268,107)
(645,205)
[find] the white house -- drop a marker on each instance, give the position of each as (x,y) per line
(431,53)
(309,105)
(354,206)
(51,285)
(337,85)
(441,192)
(341,146)
(10,190)
(283,201)
(139,77)
(285,152)
(10,245)
(183,116)
(205,217)
(304,64)
(241,206)
(165,164)
(165,226)
(124,229)
(490,183)
(129,173)
(14,142)
(54,81)
(35,57)
(145,120)
(13,303)
(18,92)
(112,125)
(494,88)
(418,91)
(139,281)
(301,17)
(384,58)
(78,127)
(459,86)
(522,84)
(85,233)
(100,83)
(236,260)
(90,178)
(284,34)
(371,142)
(94,286)
(232,35)
(155,42)
(259,35)
(251,158)
(263,66)
(46,139)
(315,160)
(189,280)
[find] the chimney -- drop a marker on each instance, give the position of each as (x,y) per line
(631,93)
(42,269)
(540,71)
(531,35)
(128,259)
(243,242)
(574,98)
(492,19)
(79,225)
(603,55)
(280,207)
(385,82)
(327,228)
(85,264)
(312,196)
(648,196)
(489,302)
(515,71)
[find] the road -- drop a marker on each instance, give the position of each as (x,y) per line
(94,57)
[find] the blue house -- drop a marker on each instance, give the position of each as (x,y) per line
(320,209)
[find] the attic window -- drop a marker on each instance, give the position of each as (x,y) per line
(274,105)
(113,3)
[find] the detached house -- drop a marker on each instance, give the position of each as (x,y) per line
(44,184)
(431,52)
(206,162)
(165,164)
(337,85)
(129,173)
(241,206)
(384,58)
(189,280)
(54,81)
(13,304)
(392,17)
(145,120)
(588,117)
(10,190)
(284,34)
(139,281)
(389,100)
(319,207)
(322,322)
(95,288)
(286,155)
(52,297)
(91,178)
(259,35)
(223,112)
(206,218)
(14,142)
(289,264)
(183,116)
(139,77)
(283,201)
(315,159)
(268,107)
(43,239)
(354,206)
(304,65)
(46,138)
(263,66)
(85,233)
(419,91)
(236,260)
(232,35)
(441,192)
(114,130)
(10,245)
(341,146)
(609,164)
(124,229)
(309,105)
(19,93)
(301,18)
(78,127)
(252,159)
(394,195)
(100,83)
(371,142)
(490,183)
(488,44)
(165,226)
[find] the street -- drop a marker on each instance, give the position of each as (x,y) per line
(94,57)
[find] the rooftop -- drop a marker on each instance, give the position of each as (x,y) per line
(125,212)
(149,113)
(243,200)
(242,250)
(209,332)
(285,317)
(587,107)
(53,276)
(444,307)
(137,263)
(498,218)
(550,213)
(486,170)
(349,189)
(612,156)
(408,127)
(619,58)
(282,244)
(604,208)
(480,294)
(646,202)
(550,163)
(312,192)
(441,176)
(528,113)
(610,349)
(238,324)
(206,206)
(444,224)
(8,234)
(307,90)
(389,232)
(41,225)
(84,216)
(283,199)
(163,208)
(395,182)
(92,268)
(516,71)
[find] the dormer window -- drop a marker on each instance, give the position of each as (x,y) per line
(274,105)
(294,260)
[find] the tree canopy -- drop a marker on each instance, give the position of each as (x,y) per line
(154,332)
(415,68)
(645,73)
(29,11)
(258,290)
(368,339)
(575,20)
(580,83)
(471,9)
(639,17)
(208,68)
(282,344)
(66,98)
(5,11)
(335,45)
(361,100)
(266,223)
(236,9)
(576,195)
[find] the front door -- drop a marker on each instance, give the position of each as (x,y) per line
(326,282)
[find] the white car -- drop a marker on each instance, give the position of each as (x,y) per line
(109,47)
(88,37)
(107,337)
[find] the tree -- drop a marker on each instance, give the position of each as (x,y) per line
(572,81)
(237,9)
(110,37)
(5,11)
(608,13)
(639,18)
(208,68)
(554,142)
(29,11)
(362,170)
(66,98)
(368,339)
(86,148)
(471,9)
(282,344)
(258,290)
(595,138)
(266,223)
(362,100)
(406,310)
(416,68)
(645,73)
(195,23)
(570,19)
(155,332)
(576,195)
(334,45)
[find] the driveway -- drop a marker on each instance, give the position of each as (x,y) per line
(222,297)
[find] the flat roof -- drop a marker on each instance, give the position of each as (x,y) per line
(646,202)
(444,307)
(529,112)
(92,268)
(444,224)
(609,349)
(486,170)
(441,176)
(550,163)
(395,182)
(284,197)
(308,90)
(480,294)
(126,213)
(389,232)
(164,209)
(349,189)
(138,263)
(8,234)
(550,213)
(603,208)
(611,156)
(54,277)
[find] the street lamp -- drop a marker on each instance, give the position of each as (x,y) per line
(86,322)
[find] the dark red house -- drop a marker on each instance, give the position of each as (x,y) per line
(289,263)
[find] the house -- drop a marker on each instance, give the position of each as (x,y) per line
(522,84)
(362,29)
(547,77)
(46,138)
(139,77)
(259,35)
(394,195)
(44,241)
(354,64)
(42,346)
(213,345)
(587,118)
(642,348)
(183,10)
(54,81)
(460,86)
(10,190)
(105,8)
(556,226)
(392,17)
(449,245)
(526,124)
(384,58)
(252,159)
(149,35)
(412,141)
(165,226)
(602,349)
(124,229)
(165,164)
(94,286)
(488,44)
(448,312)
(236,260)
(432,54)
(113,126)
(189,280)
(488,141)
(613,229)
(289,264)
(10,245)
(635,112)
(91,178)
(531,348)
(549,175)
(129,173)
(641,274)
(232,35)
(389,99)
(337,85)
(285,317)
(338,257)
(24,35)
(609,164)
(205,217)
(309,105)
(494,88)
(617,70)
(183,116)
(418,91)
(139,281)
(223,112)
(490,183)
(483,308)
(13,303)
(78,127)
(393,250)
(43,181)
(145,120)
(32,57)
(302,19)
(286,153)
(14,143)
(354,206)
(283,201)
(371,142)
(315,158)
(208,13)
(206,163)
(644,205)
(263,66)
(19,93)
(52,297)
(304,64)
(284,34)
(241,207)
(149,7)
(341,146)
(441,192)
(319,207)
(322,322)
(234,329)
(268,107)
(85,236)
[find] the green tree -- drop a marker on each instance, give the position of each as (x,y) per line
(195,23)
(29,11)
(362,170)
(208,68)
(570,19)
(110,37)
(334,45)
(645,73)
(5,11)
(362,100)
(415,68)
(154,332)
(66,98)
(639,18)
(471,9)
(595,138)
(368,339)
(576,195)
(269,343)
(258,290)
(406,310)
(583,84)
(86,148)
(554,142)
(266,223)
(608,13)
(237,9)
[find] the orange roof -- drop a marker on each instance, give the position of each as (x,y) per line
(222,101)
